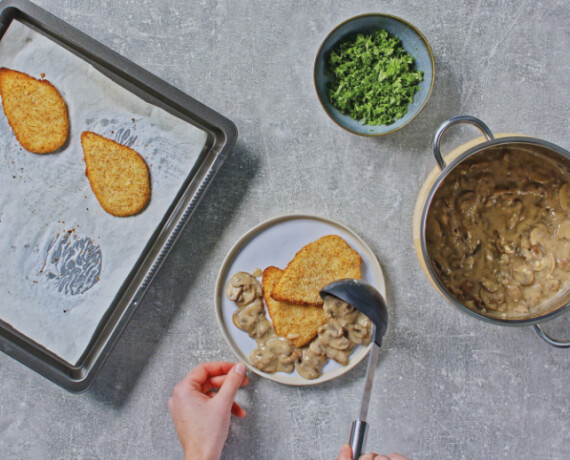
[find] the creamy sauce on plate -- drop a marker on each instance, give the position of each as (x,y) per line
(336,339)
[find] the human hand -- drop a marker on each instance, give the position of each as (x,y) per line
(201,415)
(346,454)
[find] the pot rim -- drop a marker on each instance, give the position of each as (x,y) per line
(510,140)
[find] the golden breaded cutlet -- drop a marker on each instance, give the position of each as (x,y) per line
(298,323)
(118,175)
(317,264)
(35,110)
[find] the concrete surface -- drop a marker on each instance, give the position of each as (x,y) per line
(448,386)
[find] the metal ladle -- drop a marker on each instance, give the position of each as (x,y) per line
(369,301)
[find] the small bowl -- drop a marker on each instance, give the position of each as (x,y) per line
(412,40)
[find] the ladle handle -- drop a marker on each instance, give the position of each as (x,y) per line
(358,434)
(555,343)
(456,121)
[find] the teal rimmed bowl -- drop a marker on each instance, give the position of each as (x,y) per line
(412,40)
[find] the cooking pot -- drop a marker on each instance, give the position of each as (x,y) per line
(481,147)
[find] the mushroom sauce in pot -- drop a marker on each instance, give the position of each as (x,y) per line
(494,228)
(498,233)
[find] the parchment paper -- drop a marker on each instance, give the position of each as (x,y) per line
(63,257)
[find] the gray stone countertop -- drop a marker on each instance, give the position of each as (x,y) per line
(447,385)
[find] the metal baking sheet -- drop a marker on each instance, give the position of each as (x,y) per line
(135,108)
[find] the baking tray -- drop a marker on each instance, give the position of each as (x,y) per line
(221,136)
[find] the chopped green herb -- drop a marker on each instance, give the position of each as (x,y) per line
(375,78)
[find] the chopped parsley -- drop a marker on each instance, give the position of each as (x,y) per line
(375,78)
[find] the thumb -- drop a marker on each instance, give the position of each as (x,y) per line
(231,384)
(345,453)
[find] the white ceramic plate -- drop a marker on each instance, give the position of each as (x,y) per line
(275,242)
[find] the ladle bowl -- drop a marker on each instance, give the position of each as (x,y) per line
(365,298)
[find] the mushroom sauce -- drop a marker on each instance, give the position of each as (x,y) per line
(345,328)
(498,233)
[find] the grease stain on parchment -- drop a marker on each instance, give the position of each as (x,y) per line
(72,263)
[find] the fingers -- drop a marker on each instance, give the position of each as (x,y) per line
(238,411)
(345,453)
(205,378)
(231,384)
(373,456)
(217,382)
(204,371)
(236,408)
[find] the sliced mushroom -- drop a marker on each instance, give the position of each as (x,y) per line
(470,303)
(505,246)
(552,284)
(262,327)
(485,185)
(466,203)
(243,321)
(243,288)
(340,343)
(532,188)
(246,318)
(317,348)
(310,365)
(539,235)
(456,262)
(521,308)
(279,346)
(533,294)
(525,243)
(336,308)
(514,292)
(489,285)
(505,195)
(361,331)
(330,330)
(539,175)
(289,360)
(563,263)
(546,263)
(479,165)
(524,275)
(466,182)
(264,361)
(492,300)
(433,231)
(340,356)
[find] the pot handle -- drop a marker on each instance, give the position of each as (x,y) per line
(455,121)
(550,340)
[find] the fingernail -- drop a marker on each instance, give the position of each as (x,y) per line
(240,368)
